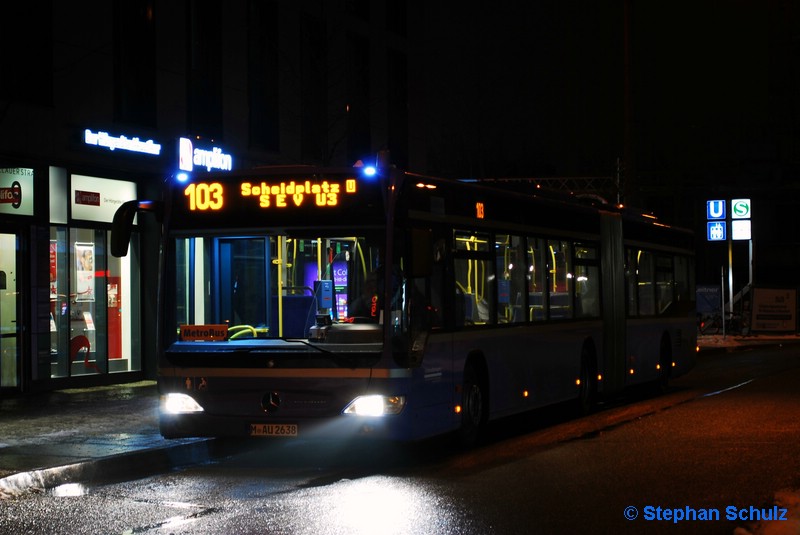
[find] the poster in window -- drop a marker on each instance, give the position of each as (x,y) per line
(53,270)
(84,272)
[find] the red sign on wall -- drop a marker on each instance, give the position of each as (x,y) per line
(89,198)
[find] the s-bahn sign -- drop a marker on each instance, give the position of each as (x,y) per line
(720,225)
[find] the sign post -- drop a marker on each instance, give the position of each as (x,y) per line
(721,227)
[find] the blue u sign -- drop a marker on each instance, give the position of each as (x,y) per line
(715,210)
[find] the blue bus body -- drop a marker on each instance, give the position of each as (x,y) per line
(298,302)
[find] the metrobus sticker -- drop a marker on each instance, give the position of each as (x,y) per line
(206,333)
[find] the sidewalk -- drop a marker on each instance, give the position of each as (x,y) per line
(107,433)
(51,438)
(735,342)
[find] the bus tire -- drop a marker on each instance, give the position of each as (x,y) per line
(474,404)
(587,392)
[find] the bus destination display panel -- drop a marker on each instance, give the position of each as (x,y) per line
(290,198)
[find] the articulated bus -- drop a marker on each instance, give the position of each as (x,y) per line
(317,302)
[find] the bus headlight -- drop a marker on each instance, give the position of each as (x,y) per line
(179,403)
(376,405)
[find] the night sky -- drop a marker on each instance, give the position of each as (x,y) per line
(525,91)
(537,89)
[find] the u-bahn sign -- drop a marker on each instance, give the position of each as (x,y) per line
(721,225)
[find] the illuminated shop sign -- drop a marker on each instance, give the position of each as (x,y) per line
(16,191)
(191,158)
(97,199)
(275,194)
(133,144)
(12,195)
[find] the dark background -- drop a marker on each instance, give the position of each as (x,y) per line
(676,102)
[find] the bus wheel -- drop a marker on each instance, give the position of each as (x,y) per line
(474,405)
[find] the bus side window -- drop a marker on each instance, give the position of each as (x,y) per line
(535,266)
(510,271)
(587,282)
(436,286)
(665,283)
(560,281)
(420,254)
(646,283)
(631,282)
(474,279)
(683,279)
(473,290)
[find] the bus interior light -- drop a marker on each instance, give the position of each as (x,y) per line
(174,403)
(182,177)
(376,405)
(369,170)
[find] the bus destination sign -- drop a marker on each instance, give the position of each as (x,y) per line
(275,194)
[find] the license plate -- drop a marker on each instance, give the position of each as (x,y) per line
(273,430)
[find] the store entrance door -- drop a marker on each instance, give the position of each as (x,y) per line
(9,309)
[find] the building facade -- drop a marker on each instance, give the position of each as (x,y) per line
(112,98)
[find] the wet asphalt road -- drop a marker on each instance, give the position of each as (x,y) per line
(724,439)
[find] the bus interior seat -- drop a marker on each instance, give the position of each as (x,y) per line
(298,315)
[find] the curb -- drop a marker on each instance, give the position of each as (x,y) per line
(141,463)
(741,344)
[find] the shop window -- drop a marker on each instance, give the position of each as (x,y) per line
(122,300)
(9,308)
(59,303)
(92,305)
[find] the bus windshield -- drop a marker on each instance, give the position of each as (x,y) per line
(276,286)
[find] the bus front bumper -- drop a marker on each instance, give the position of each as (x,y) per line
(339,427)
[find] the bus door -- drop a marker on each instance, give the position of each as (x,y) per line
(243,277)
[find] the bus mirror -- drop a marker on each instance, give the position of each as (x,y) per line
(421,253)
(122,225)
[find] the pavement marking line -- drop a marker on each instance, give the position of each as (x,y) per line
(734,387)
